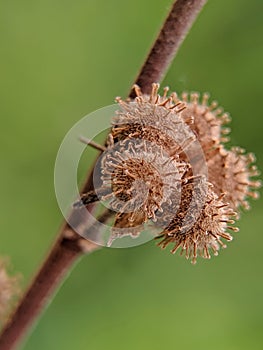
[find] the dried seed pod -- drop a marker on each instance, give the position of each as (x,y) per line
(139,178)
(231,172)
(208,120)
(154,118)
(202,231)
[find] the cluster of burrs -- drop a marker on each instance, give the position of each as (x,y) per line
(166,163)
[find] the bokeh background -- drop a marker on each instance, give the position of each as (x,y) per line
(62,59)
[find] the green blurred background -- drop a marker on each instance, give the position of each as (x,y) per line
(63,59)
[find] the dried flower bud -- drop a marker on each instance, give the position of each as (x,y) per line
(231,172)
(140,178)
(154,118)
(203,230)
(208,120)
(9,290)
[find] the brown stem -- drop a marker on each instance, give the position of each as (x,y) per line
(175,28)
(56,266)
(70,246)
(66,251)
(63,255)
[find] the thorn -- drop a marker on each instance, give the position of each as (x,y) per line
(165,91)
(137,90)
(205,99)
(92,144)
(185,97)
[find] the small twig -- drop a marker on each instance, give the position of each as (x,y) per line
(70,246)
(92,144)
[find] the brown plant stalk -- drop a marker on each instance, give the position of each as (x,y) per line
(69,246)
(175,28)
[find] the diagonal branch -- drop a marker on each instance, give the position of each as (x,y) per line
(70,246)
(175,28)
